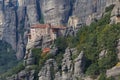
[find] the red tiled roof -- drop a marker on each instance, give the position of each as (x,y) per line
(58,27)
(45,50)
(47,25)
(40,26)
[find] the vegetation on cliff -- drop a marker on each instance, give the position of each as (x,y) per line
(100,35)
(93,39)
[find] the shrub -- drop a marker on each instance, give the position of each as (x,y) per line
(93,69)
(37,55)
(109,8)
(102,76)
(61,43)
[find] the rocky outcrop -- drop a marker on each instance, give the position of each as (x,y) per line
(1,24)
(70,69)
(115,71)
(48,71)
(115,13)
(67,65)
(102,54)
(110,2)
(118,48)
(94,9)
(71,32)
(79,65)
(40,42)
(23,75)
(28,59)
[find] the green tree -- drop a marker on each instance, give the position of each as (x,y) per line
(61,43)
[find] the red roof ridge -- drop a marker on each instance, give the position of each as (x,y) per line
(46,50)
(40,26)
(47,26)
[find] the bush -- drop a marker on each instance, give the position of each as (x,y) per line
(37,55)
(40,57)
(93,69)
(105,20)
(61,43)
(103,77)
(109,8)
(107,62)
(31,67)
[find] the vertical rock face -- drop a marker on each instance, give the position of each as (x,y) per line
(9,34)
(67,66)
(13,26)
(32,15)
(79,65)
(55,11)
(1,24)
(58,12)
(21,28)
(118,47)
(109,2)
(85,8)
(17,18)
(1,20)
(115,13)
(32,11)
